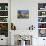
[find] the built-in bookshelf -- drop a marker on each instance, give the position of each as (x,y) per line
(42,19)
(4,19)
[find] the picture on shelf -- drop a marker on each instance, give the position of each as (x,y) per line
(41,6)
(41,25)
(22,14)
(3,13)
(3,26)
(42,33)
(3,6)
(41,19)
(41,13)
(4,29)
(3,19)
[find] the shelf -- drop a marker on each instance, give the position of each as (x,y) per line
(41,10)
(41,22)
(41,28)
(3,10)
(3,16)
(3,22)
(42,16)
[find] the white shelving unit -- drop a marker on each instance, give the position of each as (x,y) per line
(42,18)
(4,23)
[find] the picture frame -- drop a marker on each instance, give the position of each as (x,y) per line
(23,14)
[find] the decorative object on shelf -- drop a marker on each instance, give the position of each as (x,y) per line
(44,41)
(0,7)
(6,7)
(31,27)
(24,37)
(41,19)
(18,42)
(4,29)
(41,13)
(4,26)
(41,25)
(42,32)
(3,13)
(13,27)
(41,6)
(21,14)
(3,6)
(3,19)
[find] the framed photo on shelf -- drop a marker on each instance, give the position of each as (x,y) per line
(4,29)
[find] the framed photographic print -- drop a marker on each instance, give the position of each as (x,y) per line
(21,14)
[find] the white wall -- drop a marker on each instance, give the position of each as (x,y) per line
(23,24)
(32,6)
(3,1)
